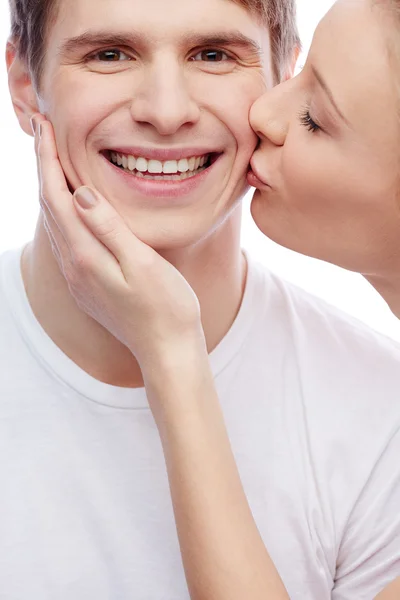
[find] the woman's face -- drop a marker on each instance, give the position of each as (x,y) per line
(327,167)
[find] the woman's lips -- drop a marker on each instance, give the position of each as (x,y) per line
(255,178)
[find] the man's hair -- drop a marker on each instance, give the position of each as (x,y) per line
(31,19)
(280,18)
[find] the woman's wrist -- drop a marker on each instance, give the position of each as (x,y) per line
(178,382)
(173,362)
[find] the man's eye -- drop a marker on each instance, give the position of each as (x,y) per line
(111,56)
(211,56)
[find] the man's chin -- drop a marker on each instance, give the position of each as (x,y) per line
(181,236)
(166,240)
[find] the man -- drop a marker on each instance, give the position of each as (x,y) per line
(140,96)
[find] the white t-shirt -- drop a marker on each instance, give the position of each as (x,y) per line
(312,404)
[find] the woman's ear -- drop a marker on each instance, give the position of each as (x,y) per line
(23,94)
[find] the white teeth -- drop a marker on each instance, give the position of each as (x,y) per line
(170,170)
(180,177)
(131,163)
(155,166)
(170,166)
(141,165)
(183,165)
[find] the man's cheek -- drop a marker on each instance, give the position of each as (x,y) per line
(241,129)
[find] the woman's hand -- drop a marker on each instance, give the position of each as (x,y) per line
(114,277)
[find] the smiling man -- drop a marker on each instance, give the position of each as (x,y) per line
(149,101)
(137,107)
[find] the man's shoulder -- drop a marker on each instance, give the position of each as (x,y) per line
(310,319)
(9,277)
(13,303)
(343,377)
(336,360)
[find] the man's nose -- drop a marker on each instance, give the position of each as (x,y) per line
(164,100)
(270,115)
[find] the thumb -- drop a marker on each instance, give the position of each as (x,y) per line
(109,228)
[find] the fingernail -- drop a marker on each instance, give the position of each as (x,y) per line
(40,130)
(85,197)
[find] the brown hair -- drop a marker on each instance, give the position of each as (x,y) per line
(30,20)
(279,16)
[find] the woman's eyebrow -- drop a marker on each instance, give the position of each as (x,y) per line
(106,38)
(328,92)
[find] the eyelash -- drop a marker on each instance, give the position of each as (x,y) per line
(212,51)
(308,122)
(96,55)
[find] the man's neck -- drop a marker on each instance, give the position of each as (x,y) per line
(216,270)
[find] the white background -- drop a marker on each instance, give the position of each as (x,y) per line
(19,206)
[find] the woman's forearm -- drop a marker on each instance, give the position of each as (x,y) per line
(223,553)
(392,592)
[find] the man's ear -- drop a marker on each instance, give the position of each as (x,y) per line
(22,90)
(292,66)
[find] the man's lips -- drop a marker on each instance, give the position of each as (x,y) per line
(162,186)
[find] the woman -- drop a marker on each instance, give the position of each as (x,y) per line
(316,145)
(321,133)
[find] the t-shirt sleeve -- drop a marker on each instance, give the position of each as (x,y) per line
(369,553)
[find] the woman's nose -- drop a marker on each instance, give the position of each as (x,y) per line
(270,114)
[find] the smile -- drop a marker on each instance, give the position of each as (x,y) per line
(156,170)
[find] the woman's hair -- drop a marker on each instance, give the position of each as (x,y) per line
(31,20)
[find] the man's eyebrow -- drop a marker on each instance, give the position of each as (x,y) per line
(96,38)
(111,39)
(223,38)
(328,92)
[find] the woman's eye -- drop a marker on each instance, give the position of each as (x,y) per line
(308,121)
(211,56)
(111,56)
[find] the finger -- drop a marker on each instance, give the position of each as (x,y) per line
(35,122)
(53,185)
(84,248)
(55,235)
(53,246)
(57,242)
(111,230)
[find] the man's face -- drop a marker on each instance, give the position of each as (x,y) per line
(161,87)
